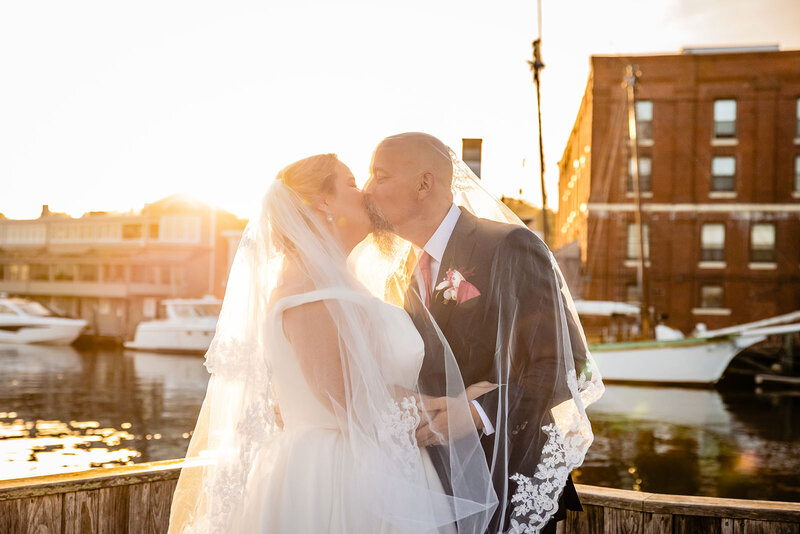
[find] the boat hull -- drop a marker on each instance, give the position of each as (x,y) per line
(694,363)
(50,331)
(158,336)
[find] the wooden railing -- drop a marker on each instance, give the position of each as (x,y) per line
(136,499)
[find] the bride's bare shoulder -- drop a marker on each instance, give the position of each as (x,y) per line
(290,282)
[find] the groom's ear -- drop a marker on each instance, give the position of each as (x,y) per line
(425,185)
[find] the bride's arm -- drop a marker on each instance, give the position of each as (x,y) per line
(315,340)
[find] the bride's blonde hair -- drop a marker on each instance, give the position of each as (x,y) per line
(308,179)
(311,177)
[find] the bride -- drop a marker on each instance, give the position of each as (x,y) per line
(309,420)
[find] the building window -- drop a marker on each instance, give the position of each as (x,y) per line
(18,272)
(645,171)
(153,231)
(797,174)
(632,294)
(723,173)
(63,273)
(87,273)
(712,296)
(644,120)
(713,242)
(113,273)
(40,272)
(762,243)
(725,119)
(131,231)
(797,133)
(142,274)
(180,228)
(633,242)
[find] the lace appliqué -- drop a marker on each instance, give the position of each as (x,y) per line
(536,498)
(397,431)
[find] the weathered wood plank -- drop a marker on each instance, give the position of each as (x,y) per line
(751,526)
(617,521)
(81,511)
(690,524)
(657,523)
(612,498)
(88,480)
(114,505)
(149,507)
(690,505)
(138,520)
(40,515)
(726,525)
(9,519)
(590,521)
(717,507)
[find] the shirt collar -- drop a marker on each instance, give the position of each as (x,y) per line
(438,241)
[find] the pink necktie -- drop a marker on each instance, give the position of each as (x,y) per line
(425,267)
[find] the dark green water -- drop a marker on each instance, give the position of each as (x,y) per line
(63,409)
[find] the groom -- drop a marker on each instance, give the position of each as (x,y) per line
(410,183)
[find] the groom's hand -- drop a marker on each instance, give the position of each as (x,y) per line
(437,426)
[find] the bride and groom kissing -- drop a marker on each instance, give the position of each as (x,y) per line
(402,359)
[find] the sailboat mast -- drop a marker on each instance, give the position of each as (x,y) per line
(536,66)
(632,74)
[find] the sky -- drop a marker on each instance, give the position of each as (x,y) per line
(112,105)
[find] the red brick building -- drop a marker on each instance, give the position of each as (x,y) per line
(719,163)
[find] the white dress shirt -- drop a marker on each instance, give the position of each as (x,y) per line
(435,248)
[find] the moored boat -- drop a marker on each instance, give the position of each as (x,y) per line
(24,321)
(698,361)
(189,327)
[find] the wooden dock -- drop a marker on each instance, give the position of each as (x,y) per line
(136,499)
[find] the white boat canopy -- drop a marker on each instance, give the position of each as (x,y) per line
(605,308)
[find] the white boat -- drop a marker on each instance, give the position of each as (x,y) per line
(24,321)
(671,358)
(189,326)
(700,361)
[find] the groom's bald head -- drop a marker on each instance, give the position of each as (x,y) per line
(411,182)
(418,153)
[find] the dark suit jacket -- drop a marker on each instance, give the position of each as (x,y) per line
(497,258)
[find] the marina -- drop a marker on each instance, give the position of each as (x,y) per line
(64,409)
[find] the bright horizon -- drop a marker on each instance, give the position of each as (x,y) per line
(110,107)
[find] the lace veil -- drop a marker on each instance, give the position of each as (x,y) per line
(375,404)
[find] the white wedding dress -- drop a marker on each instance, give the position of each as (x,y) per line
(306,481)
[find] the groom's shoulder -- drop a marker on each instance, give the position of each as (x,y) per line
(493,231)
(508,234)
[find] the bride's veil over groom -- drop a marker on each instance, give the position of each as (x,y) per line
(515,325)
(373,398)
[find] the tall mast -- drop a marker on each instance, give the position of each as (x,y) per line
(536,66)
(632,74)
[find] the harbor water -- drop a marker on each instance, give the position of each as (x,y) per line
(64,409)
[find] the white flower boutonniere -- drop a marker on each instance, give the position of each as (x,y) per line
(456,288)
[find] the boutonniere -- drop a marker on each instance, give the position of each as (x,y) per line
(456,288)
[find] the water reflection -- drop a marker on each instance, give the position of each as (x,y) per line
(67,410)
(695,442)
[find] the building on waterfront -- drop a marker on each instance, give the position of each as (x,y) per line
(719,165)
(112,269)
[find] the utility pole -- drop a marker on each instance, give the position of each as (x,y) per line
(632,74)
(536,66)
(212,243)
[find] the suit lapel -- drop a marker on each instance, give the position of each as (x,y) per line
(457,255)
